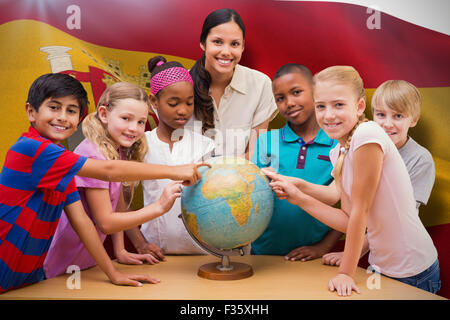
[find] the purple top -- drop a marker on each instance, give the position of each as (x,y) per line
(66,248)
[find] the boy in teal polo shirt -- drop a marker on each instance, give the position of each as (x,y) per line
(299,149)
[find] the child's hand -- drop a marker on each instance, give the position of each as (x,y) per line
(294,180)
(269,170)
(281,186)
(134,280)
(126,257)
(171,191)
(305,253)
(343,284)
(188,173)
(332,258)
(152,249)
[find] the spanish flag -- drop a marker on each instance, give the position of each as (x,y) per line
(102,42)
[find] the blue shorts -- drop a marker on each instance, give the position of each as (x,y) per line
(428,280)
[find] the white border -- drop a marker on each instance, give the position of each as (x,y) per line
(431,14)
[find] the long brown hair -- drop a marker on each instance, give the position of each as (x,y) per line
(203,104)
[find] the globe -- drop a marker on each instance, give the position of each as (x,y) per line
(230,206)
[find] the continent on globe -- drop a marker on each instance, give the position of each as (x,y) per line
(230,206)
(234,189)
(192,223)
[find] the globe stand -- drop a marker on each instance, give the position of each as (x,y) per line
(224,270)
(225,266)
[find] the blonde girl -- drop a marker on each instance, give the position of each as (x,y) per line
(374,188)
(114,132)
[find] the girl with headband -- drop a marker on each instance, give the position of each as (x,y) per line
(172,97)
(115,131)
(234,103)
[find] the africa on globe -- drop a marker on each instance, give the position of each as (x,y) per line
(230,206)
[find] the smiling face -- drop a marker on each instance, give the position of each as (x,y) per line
(223,48)
(293,96)
(337,109)
(175,105)
(395,124)
(125,121)
(57,118)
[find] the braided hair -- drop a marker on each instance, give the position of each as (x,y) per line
(349,76)
(344,150)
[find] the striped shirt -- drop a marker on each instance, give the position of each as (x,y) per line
(36,182)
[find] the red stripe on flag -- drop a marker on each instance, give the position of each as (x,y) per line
(317,34)
(439,234)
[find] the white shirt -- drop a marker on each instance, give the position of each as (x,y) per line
(168,230)
(247,102)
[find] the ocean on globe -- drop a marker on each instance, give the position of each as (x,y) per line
(230,206)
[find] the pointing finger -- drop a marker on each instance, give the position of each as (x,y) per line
(201,164)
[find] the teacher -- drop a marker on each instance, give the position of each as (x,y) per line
(233,103)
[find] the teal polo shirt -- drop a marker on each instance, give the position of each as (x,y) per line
(291,227)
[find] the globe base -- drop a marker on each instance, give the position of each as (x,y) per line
(212,271)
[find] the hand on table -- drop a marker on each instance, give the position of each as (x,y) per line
(343,284)
(126,257)
(332,258)
(305,253)
(153,250)
(134,280)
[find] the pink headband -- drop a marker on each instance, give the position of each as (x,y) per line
(168,76)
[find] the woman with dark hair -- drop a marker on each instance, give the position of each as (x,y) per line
(232,102)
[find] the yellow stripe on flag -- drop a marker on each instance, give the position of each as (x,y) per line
(22,61)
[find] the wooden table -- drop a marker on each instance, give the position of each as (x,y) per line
(273,279)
